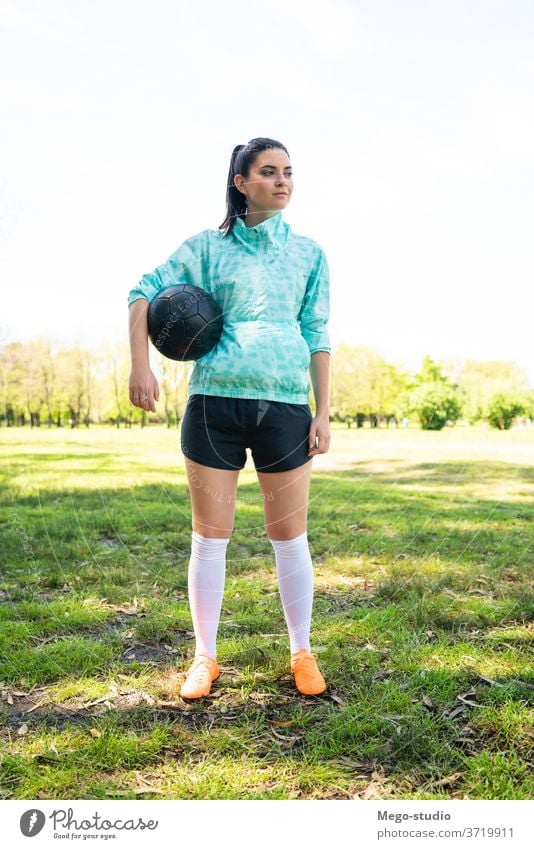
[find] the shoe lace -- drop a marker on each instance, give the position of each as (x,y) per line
(309,662)
(199,669)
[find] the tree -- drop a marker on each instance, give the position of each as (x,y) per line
(118,362)
(88,379)
(363,385)
(502,409)
(430,373)
(435,404)
(49,382)
(72,382)
(173,386)
(479,381)
(13,363)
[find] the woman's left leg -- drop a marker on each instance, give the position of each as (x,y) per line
(285,496)
(285,501)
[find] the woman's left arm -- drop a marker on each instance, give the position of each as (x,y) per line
(320,425)
(313,318)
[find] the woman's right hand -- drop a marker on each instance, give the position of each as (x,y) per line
(143,388)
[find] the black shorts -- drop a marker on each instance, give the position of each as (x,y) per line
(216,431)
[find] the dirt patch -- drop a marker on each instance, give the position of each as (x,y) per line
(139,652)
(109,542)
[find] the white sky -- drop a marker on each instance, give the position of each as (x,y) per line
(410,127)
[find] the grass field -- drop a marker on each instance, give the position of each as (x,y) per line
(422,624)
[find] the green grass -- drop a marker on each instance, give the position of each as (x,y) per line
(422,624)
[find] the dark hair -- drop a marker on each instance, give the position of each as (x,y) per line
(243,156)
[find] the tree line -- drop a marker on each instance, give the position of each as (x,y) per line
(44,385)
(365,387)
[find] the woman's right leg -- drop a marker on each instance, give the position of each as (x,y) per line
(213,508)
(213,497)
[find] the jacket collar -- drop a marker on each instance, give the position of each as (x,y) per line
(274,231)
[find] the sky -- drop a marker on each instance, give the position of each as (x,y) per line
(410,127)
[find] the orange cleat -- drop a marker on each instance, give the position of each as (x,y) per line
(200,675)
(307,675)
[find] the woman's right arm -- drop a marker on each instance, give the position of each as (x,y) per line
(185,265)
(143,383)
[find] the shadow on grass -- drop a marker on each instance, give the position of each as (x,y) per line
(345,503)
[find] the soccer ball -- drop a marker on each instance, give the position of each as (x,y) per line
(184,322)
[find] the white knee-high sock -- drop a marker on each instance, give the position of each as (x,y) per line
(206,577)
(294,571)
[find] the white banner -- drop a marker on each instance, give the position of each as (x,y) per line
(255,823)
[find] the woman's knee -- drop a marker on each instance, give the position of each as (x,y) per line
(211,531)
(281,531)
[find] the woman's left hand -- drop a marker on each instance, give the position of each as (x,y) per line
(319,426)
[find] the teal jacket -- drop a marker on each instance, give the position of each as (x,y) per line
(273,288)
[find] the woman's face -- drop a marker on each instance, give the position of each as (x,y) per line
(269,186)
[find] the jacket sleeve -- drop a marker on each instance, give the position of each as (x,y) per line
(315,310)
(185,265)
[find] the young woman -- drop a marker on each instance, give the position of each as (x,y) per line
(250,391)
